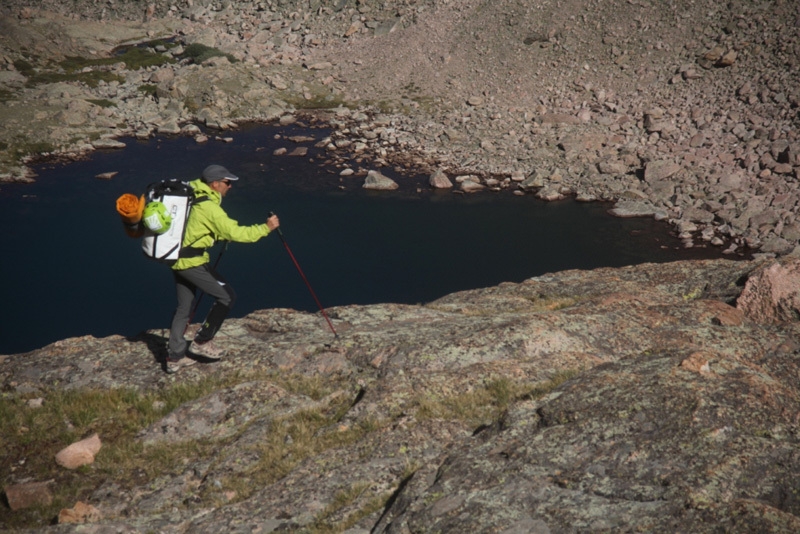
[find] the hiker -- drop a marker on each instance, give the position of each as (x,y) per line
(207,223)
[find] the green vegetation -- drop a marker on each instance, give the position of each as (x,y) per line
(33,430)
(148,89)
(90,78)
(102,102)
(199,53)
(323,522)
(6,95)
(487,402)
(293,439)
(321,99)
(134,58)
(693,294)
(30,437)
(24,67)
(92,70)
(19,147)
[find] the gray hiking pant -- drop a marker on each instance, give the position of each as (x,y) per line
(187,283)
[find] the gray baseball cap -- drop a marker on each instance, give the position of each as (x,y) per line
(215,173)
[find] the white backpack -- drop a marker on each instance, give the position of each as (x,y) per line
(178,197)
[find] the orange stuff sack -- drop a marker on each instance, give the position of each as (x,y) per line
(130,208)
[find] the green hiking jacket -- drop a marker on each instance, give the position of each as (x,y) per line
(209,223)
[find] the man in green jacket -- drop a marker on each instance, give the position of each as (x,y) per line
(207,224)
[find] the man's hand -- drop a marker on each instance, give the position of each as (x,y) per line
(273,222)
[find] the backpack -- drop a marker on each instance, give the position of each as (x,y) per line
(165,244)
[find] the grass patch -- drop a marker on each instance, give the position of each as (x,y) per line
(486,403)
(297,437)
(7,95)
(134,58)
(314,387)
(102,102)
(292,440)
(20,148)
(321,100)
(326,523)
(31,436)
(90,78)
(387,106)
(341,500)
(538,391)
(91,71)
(147,89)
(24,67)
(199,53)
(405,105)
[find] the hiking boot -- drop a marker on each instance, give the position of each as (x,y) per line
(192,330)
(207,349)
(174,365)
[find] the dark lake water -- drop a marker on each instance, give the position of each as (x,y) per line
(68,269)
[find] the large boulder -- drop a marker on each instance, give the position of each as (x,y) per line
(772,294)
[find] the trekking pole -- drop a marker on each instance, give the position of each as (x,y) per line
(200,296)
(303,276)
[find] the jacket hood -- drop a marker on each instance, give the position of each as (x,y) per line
(203,189)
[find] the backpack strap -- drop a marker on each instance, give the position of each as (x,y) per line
(189,251)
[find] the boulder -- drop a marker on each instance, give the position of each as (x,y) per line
(698,215)
(536,180)
(471,185)
(439,180)
(550,193)
(28,494)
(107,143)
(80,513)
(772,294)
(660,170)
(79,453)
(612,166)
(777,245)
(632,208)
(376,180)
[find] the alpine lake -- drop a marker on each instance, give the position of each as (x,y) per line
(69,269)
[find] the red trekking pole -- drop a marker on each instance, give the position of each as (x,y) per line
(303,276)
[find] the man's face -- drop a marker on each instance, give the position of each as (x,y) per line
(221,186)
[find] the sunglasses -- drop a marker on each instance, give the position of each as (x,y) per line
(227,182)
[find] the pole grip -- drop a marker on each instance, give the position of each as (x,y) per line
(272,213)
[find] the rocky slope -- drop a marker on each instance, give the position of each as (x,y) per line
(652,398)
(659,398)
(684,111)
